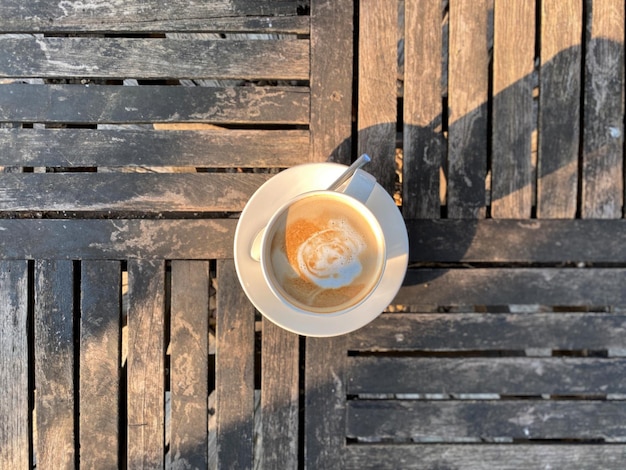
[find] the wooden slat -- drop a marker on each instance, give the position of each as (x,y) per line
(468,86)
(149,192)
(201,148)
(485,419)
(153,58)
(150,16)
(189,364)
(524,241)
(378,64)
(137,104)
(603,112)
(234,371)
(116,239)
(506,376)
(514,56)
(14,407)
(146,364)
(444,241)
(423,140)
(559,108)
(54,364)
(483,332)
(279,397)
(100,347)
(162,24)
(487,457)
(331,80)
(325,386)
(504,286)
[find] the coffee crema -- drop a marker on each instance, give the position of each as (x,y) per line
(324,254)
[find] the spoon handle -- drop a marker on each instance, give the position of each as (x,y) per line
(345,176)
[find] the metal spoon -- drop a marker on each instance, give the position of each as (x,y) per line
(345,176)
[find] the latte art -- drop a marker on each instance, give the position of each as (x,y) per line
(330,257)
(324,254)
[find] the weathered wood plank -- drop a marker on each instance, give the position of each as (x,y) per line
(331,56)
(189,364)
(234,371)
(100,347)
(504,286)
(377,102)
(325,402)
(483,332)
(116,239)
(145,192)
(445,241)
(423,146)
(153,58)
(280,405)
(468,86)
(488,456)
(513,64)
(506,376)
(485,419)
(136,104)
(192,24)
(559,108)
(14,407)
(146,364)
(149,16)
(200,148)
(225,25)
(524,241)
(54,364)
(603,112)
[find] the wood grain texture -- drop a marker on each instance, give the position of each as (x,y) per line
(505,286)
(100,348)
(153,58)
(123,148)
(559,108)
(14,407)
(325,401)
(485,419)
(603,111)
(151,15)
(116,239)
(423,148)
(446,241)
(516,376)
(189,364)
(145,192)
(517,241)
(497,332)
(331,80)
(468,86)
(377,102)
(146,364)
(487,456)
(513,63)
(280,377)
(54,364)
(137,104)
(234,371)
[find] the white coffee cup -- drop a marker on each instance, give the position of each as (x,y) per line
(323,252)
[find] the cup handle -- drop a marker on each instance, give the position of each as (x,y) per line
(360,186)
(255,249)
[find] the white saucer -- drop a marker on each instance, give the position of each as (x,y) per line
(266,200)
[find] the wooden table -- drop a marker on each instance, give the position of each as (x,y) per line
(132,135)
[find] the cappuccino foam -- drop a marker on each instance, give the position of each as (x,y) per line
(324,254)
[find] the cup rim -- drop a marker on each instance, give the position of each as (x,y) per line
(362,209)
